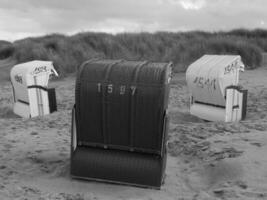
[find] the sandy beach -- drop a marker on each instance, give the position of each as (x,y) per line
(206,160)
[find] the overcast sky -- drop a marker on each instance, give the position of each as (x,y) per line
(21,18)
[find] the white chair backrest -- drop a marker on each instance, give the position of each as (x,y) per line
(208,77)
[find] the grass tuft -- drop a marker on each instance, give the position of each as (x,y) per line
(182,48)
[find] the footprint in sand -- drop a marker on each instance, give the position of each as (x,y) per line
(34,133)
(2,167)
(205,177)
(7,148)
(222,171)
(254,195)
(257,144)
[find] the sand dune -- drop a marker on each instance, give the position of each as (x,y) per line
(206,160)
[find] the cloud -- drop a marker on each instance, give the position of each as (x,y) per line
(193,5)
(31,17)
(189,4)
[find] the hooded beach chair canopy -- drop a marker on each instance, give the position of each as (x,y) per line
(208,77)
(213,82)
(30,82)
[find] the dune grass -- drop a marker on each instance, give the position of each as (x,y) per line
(182,48)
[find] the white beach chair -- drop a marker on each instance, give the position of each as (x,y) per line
(215,94)
(32,97)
